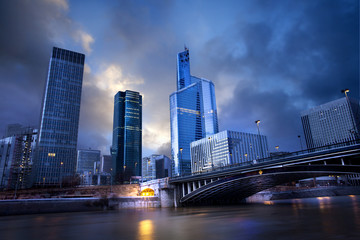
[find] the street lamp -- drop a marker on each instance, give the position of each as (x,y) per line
(111,180)
(345,91)
(212,163)
(181,164)
(300,143)
(61,167)
(258,127)
(277,148)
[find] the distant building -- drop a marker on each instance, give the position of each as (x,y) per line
(16,129)
(155,166)
(227,148)
(163,167)
(149,167)
(126,147)
(87,160)
(58,133)
(333,122)
(193,114)
(106,164)
(16,160)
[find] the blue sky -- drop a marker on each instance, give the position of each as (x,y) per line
(269,60)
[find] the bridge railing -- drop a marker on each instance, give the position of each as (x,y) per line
(278,157)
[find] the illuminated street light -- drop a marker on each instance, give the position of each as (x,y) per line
(181,163)
(258,127)
(345,91)
(212,163)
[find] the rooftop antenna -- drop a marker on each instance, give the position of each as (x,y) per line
(185,47)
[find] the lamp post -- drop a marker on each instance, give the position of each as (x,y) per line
(180,163)
(300,143)
(258,127)
(277,148)
(61,167)
(345,91)
(212,163)
(111,180)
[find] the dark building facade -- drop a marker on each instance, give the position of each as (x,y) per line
(57,142)
(127,136)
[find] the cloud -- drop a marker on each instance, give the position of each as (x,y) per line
(85,39)
(60,3)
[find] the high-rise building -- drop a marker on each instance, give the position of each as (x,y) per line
(87,160)
(56,157)
(156,166)
(227,148)
(333,122)
(126,147)
(16,159)
(193,114)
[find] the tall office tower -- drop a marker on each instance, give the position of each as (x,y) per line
(60,118)
(193,114)
(16,159)
(86,160)
(227,148)
(332,122)
(126,147)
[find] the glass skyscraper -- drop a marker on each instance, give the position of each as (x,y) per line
(56,156)
(193,114)
(227,148)
(126,147)
(333,122)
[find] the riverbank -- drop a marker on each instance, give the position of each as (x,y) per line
(56,205)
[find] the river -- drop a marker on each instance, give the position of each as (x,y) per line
(311,218)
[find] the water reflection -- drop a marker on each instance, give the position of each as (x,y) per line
(146,230)
(315,218)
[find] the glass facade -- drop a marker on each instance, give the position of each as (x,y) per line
(193,114)
(127,136)
(330,123)
(60,118)
(227,148)
(86,160)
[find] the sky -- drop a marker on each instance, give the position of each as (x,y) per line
(269,60)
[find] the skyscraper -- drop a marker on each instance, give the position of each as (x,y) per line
(56,156)
(193,114)
(333,122)
(227,148)
(127,136)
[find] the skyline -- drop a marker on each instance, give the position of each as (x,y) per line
(267,61)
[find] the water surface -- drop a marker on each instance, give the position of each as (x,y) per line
(312,218)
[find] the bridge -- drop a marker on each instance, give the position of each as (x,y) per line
(233,183)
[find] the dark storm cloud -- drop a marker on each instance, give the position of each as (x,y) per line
(25,47)
(281,72)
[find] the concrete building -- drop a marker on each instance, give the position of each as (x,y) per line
(333,122)
(58,134)
(227,148)
(193,114)
(126,147)
(17,154)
